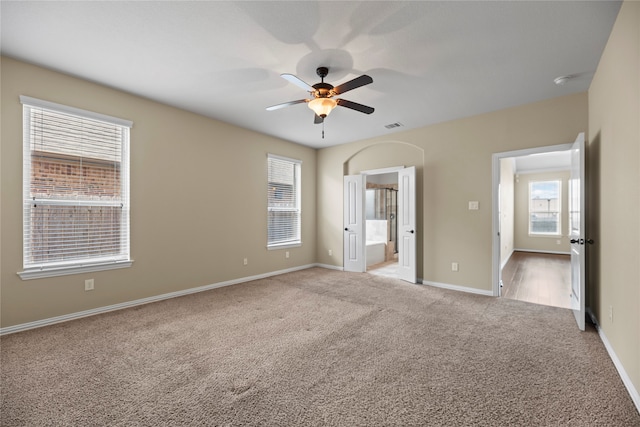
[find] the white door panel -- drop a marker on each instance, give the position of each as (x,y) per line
(407,224)
(577,231)
(353,239)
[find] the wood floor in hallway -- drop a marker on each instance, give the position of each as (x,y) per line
(538,278)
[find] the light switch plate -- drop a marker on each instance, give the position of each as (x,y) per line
(474,206)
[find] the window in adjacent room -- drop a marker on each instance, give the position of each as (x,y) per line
(544,207)
(75,190)
(283,202)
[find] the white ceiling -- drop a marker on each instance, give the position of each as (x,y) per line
(551,161)
(430,61)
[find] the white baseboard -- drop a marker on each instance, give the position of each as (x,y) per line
(542,252)
(506,260)
(127,304)
(488,293)
(329,267)
(635,396)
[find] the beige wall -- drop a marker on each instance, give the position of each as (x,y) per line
(507,207)
(198,200)
(523,241)
(614,190)
(453,163)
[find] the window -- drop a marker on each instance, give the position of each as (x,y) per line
(544,207)
(283,202)
(75,190)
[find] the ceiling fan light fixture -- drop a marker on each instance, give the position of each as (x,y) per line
(322,106)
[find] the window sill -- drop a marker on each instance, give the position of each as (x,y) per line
(284,246)
(42,272)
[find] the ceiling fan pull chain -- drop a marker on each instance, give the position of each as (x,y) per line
(323,129)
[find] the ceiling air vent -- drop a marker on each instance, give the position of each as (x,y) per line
(393,125)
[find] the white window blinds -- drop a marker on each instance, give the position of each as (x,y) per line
(283,201)
(76,187)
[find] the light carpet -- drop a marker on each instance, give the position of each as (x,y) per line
(315,348)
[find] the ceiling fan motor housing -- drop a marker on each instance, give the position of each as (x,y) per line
(322,72)
(323,90)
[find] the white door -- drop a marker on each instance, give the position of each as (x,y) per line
(407,224)
(353,240)
(577,230)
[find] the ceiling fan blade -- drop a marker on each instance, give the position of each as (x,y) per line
(352,84)
(296,81)
(317,119)
(286,104)
(355,106)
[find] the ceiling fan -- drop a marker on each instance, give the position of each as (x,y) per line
(323,102)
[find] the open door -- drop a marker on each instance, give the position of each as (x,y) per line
(577,230)
(407,224)
(354,245)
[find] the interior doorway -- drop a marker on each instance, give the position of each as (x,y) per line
(396,234)
(531,218)
(381,224)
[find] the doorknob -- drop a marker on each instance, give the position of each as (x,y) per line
(411,231)
(590,241)
(579,241)
(346,229)
(572,240)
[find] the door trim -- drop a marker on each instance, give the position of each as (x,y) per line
(383,170)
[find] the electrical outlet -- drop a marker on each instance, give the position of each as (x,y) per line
(286,254)
(474,206)
(454,266)
(88,285)
(611,313)
(245,262)
(330,252)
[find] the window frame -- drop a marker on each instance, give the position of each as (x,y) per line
(40,269)
(297,209)
(558,212)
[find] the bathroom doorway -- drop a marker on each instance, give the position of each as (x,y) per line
(404,223)
(381,224)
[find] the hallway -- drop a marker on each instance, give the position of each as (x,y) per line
(538,278)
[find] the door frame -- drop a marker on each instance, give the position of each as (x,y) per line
(365,173)
(495,203)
